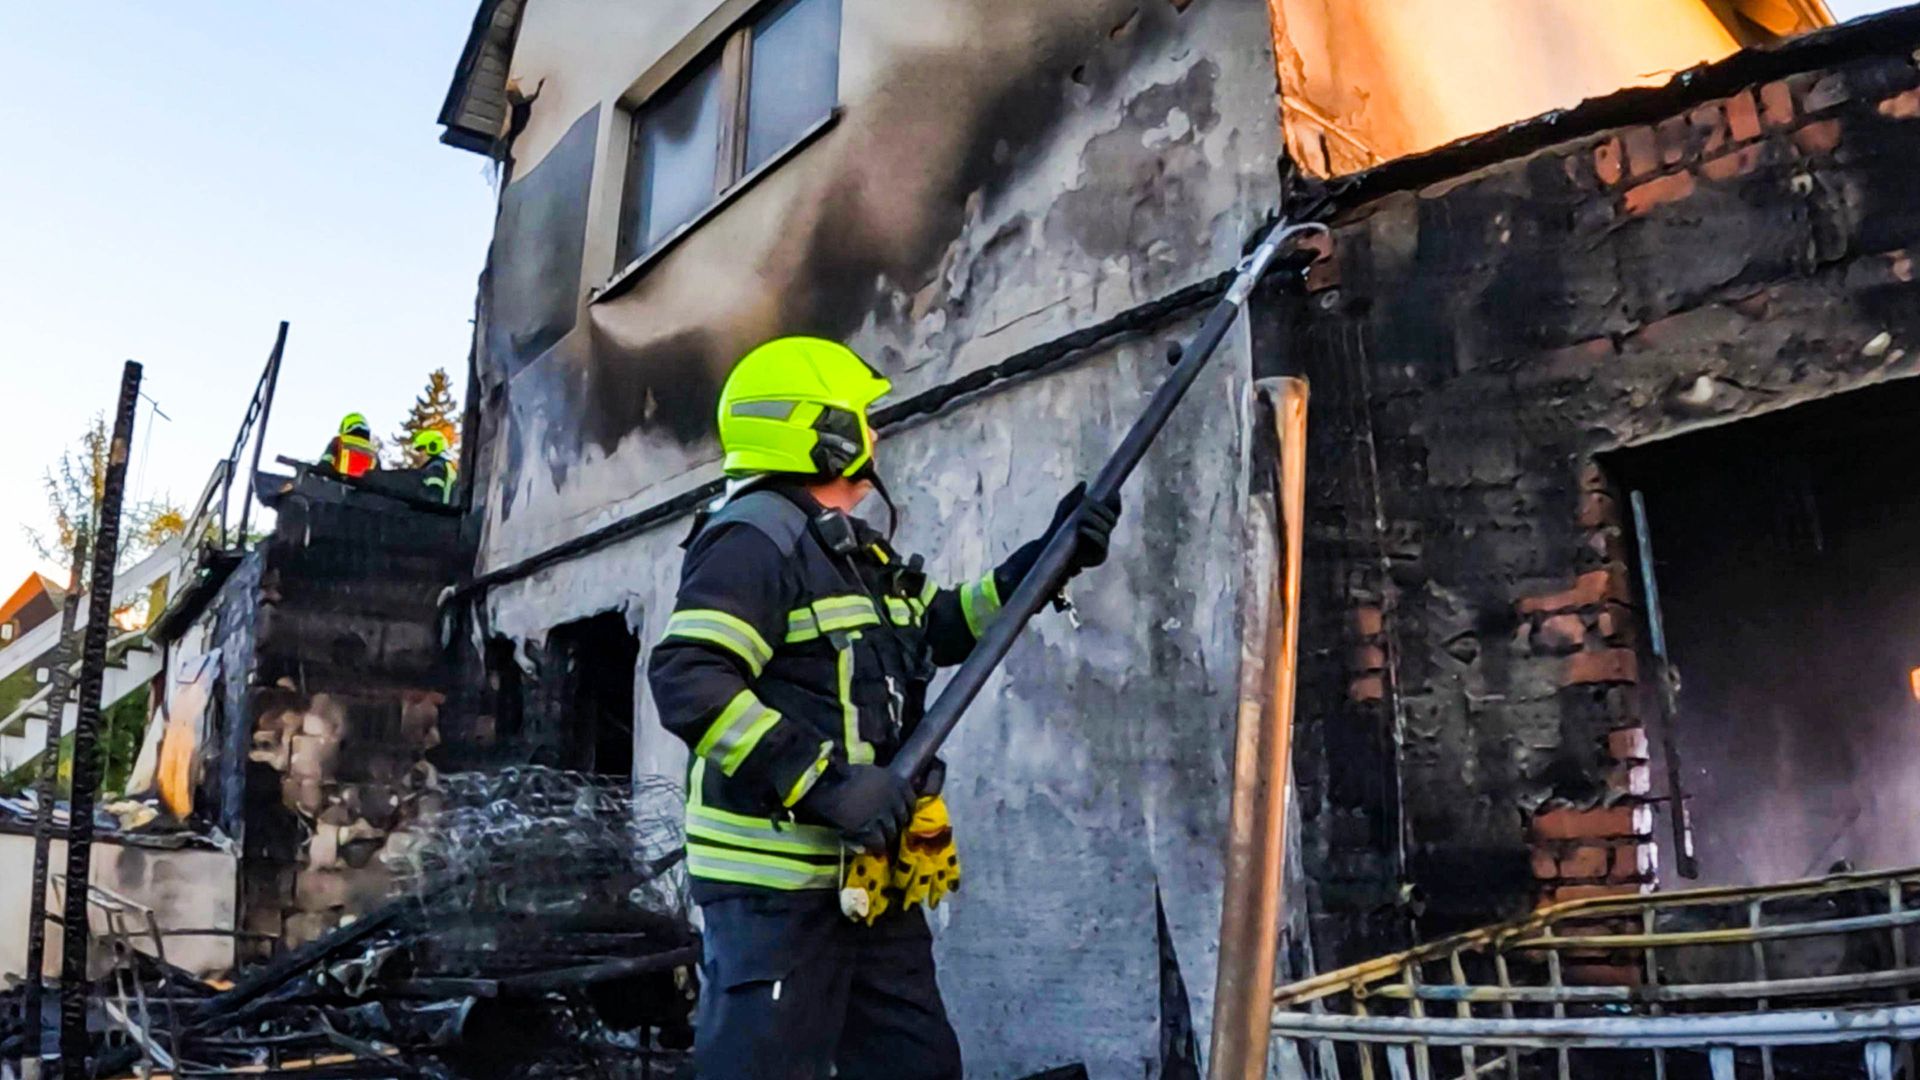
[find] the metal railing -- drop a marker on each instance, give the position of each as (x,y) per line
(1801,979)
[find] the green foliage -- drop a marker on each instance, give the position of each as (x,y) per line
(74,485)
(123,726)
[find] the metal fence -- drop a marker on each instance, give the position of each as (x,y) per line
(1802,979)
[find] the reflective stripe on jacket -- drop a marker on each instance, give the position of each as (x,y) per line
(351,455)
(782,663)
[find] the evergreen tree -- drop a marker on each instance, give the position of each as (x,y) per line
(435,409)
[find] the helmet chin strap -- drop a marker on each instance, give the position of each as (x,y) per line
(871,474)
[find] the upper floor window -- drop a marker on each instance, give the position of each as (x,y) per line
(768,85)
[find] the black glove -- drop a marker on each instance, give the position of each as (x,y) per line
(868,804)
(1095,527)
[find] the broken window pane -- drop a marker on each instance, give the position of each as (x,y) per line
(676,146)
(796,75)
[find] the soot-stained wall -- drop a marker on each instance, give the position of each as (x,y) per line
(1475,716)
(1001,174)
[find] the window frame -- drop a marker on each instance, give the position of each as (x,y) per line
(732,54)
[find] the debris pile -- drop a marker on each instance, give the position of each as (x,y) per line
(538,928)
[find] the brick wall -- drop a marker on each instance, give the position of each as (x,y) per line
(1474,720)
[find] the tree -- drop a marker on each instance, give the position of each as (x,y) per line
(75,485)
(436,409)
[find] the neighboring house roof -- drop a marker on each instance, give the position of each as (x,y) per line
(475,111)
(21,604)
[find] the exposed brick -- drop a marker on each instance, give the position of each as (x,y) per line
(1643,151)
(1828,91)
(1609,162)
(1368,657)
(1546,865)
(1589,892)
(1562,633)
(1776,104)
(1728,166)
(1676,139)
(1591,823)
(1368,688)
(1615,624)
(1709,123)
(1902,106)
(1589,590)
(1658,192)
(1818,139)
(1598,510)
(1608,544)
(1593,477)
(1628,744)
(1633,862)
(1585,862)
(1743,116)
(1601,666)
(1368,621)
(1634,779)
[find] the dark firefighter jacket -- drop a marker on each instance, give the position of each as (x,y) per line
(782,663)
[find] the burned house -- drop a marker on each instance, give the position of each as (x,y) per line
(1528,340)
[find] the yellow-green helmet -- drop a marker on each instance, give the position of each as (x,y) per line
(799,405)
(354,424)
(432,442)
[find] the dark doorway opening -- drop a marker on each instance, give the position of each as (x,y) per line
(1786,550)
(595,661)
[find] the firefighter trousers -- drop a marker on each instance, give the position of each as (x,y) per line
(794,990)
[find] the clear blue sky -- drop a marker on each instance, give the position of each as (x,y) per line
(178,177)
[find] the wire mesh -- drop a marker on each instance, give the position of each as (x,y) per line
(535,862)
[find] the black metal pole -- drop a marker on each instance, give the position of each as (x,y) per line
(59,689)
(74,1042)
(272,380)
(1049,572)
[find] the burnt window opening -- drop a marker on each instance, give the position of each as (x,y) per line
(595,662)
(1786,552)
(507,687)
(763,91)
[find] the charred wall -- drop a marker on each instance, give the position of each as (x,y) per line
(1475,717)
(336,707)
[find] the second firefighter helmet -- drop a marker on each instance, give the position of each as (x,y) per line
(799,405)
(355,424)
(432,442)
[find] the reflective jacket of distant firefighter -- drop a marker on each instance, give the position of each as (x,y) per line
(784,661)
(351,455)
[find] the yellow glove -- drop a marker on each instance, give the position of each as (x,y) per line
(923,870)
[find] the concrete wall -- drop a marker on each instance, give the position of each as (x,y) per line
(187,890)
(1002,174)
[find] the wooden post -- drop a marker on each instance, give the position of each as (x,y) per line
(1251,902)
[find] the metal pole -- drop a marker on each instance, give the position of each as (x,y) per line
(60,688)
(1250,910)
(272,380)
(1681,813)
(1049,571)
(74,1042)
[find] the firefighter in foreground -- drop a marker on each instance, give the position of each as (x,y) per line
(796,659)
